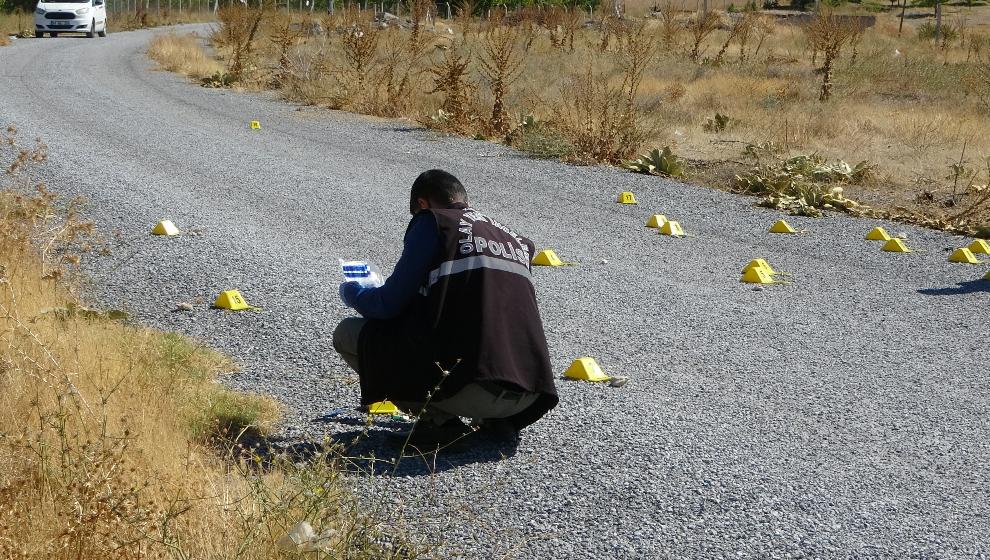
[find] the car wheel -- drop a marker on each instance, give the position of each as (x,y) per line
(38,34)
(92,30)
(104,32)
(53,34)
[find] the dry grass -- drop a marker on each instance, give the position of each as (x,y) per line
(14,24)
(600,92)
(103,425)
(183,54)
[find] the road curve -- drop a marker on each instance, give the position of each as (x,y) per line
(842,415)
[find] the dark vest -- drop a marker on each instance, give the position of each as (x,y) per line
(476,317)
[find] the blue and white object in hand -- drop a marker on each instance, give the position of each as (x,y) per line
(361,272)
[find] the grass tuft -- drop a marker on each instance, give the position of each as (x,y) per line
(183,54)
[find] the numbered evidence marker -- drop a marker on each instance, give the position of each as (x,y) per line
(586,369)
(782,226)
(656,221)
(878,234)
(255,125)
(895,245)
(626,198)
(232,300)
(964,255)
(980,246)
(757,275)
(547,257)
(761,263)
(165,227)
(383,407)
(672,229)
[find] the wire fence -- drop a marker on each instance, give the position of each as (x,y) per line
(631,7)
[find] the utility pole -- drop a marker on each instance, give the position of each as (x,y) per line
(938,20)
(900,27)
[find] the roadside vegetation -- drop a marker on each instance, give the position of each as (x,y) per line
(117,441)
(735,93)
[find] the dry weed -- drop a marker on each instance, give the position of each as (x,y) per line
(702,25)
(500,66)
(183,54)
(451,79)
(827,34)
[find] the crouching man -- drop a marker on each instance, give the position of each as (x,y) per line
(455,330)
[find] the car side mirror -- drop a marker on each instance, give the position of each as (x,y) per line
(98,3)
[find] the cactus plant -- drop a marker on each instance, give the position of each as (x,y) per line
(657,162)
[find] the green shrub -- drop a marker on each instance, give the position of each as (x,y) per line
(540,140)
(926,32)
(658,163)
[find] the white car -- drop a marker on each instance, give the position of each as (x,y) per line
(71,16)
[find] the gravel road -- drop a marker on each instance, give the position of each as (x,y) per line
(842,415)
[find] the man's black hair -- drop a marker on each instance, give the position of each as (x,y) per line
(439,187)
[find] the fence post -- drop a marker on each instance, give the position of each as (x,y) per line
(938,20)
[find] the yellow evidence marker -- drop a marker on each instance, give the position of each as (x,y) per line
(383,407)
(547,257)
(165,227)
(782,227)
(255,125)
(760,263)
(672,229)
(895,245)
(627,198)
(878,234)
(980,246)
(656,221)
(586,369)
(964,255)
(758,275)
(232,300)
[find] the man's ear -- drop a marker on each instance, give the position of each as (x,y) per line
(423,203)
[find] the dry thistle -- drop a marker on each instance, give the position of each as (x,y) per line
(702,25)
(450,77)
(283,37)
(828,33)
(739,32)
(501,66)
(670,28)
(360,44)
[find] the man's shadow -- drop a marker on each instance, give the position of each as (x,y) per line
(374,452)
(371,449)
(968,287)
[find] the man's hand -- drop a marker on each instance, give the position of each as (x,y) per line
(348,291)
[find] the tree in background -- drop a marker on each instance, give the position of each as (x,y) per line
(8,6)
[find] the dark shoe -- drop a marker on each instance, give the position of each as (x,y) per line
(498,430)
(427,436)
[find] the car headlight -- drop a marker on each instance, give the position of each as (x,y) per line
(40,12)
(82,11)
